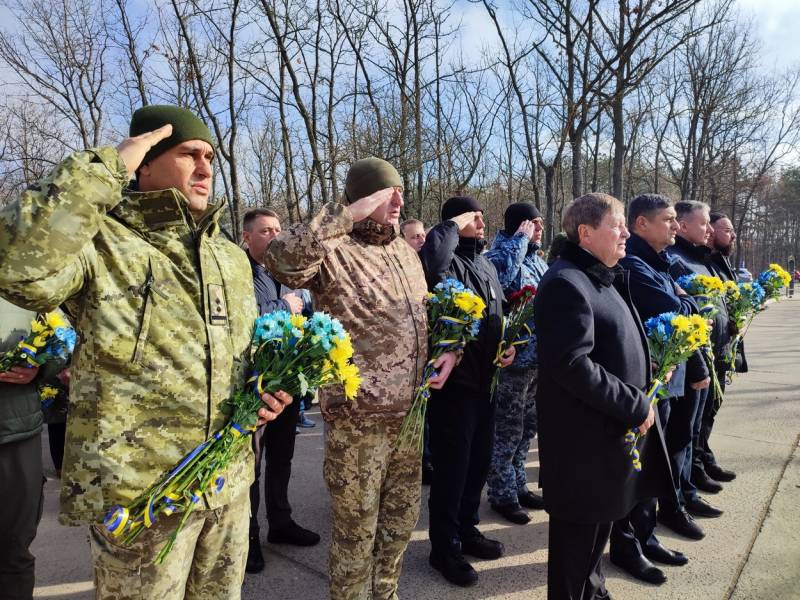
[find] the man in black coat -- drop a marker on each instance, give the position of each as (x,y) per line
(461,414)
(694,256)
(276,442)
(653,226)
(594,369)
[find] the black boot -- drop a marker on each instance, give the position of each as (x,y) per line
(453,566)
(255,559)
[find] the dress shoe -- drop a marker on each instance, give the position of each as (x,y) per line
(304,422)
(512,512)
(717,473)
(454,567)
(427,472)
(665,556)
(700,508)
(480,546)
(640,568)
(528,499)
(292,534)
(703,482)
(255,559)
(681,523)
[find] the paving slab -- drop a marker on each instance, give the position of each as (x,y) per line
(751,553)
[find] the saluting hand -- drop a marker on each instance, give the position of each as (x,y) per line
(463,220)
(528,228)
(133,149)
(364,207)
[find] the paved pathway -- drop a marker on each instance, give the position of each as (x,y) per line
(752,552)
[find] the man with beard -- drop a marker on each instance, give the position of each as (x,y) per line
(722,243)
(461,413)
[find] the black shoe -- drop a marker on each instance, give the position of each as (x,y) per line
(703,482)
(700,508)
(512,512)
(640,568)
(528,499)
(665,556)
(427,472)
(454,567)
(681,523)
(255,559)
(292,534)
(480,546)
(717,473)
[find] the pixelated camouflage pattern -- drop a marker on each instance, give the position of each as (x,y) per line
(372,281)
(153,360)
(206,562)
(515,426)
(375,493)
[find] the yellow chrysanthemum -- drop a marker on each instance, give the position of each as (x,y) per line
(47,391)
(341,351)
(470,303)
(37,327)
(54,320)
(298,321)
(681,323)
(40,341)
(351,379)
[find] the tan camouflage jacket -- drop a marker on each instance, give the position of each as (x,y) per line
(372,281)
(163,307)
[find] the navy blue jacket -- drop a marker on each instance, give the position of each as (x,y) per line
(269,291)
(653,292)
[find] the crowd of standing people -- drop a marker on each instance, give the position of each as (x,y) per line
(128,243)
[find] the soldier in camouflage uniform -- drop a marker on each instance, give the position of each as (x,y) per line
(515,256)
(163,306)
(363,273)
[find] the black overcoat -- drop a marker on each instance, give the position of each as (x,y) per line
(594,367)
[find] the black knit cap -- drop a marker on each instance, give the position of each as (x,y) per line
(517,213)
(185,126)
(458,205)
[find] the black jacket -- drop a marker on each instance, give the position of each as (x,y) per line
(653,292)
(697,259)
(725,272)
(445,255)
(593,370)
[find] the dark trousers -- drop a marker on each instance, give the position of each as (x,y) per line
(686,413)
(573,565)
(56,433)
(636,531)
(462,436)
(697,429)
(703,448)
(21,483)
(275,442)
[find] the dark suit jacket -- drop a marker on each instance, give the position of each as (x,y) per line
(593,369)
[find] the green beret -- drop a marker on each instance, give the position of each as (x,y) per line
(185,126)
(367,176)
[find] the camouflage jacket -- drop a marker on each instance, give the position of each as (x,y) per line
(163,307)
(370,279)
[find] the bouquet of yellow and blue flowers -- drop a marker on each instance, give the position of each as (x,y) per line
(773,280)
(704,286)
(454,318)
(672,338)
(289,353)
(744,301)
(515,325)
(50,337)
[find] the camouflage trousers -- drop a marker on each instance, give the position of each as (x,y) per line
(207,560)
(514,428)
(375,496)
